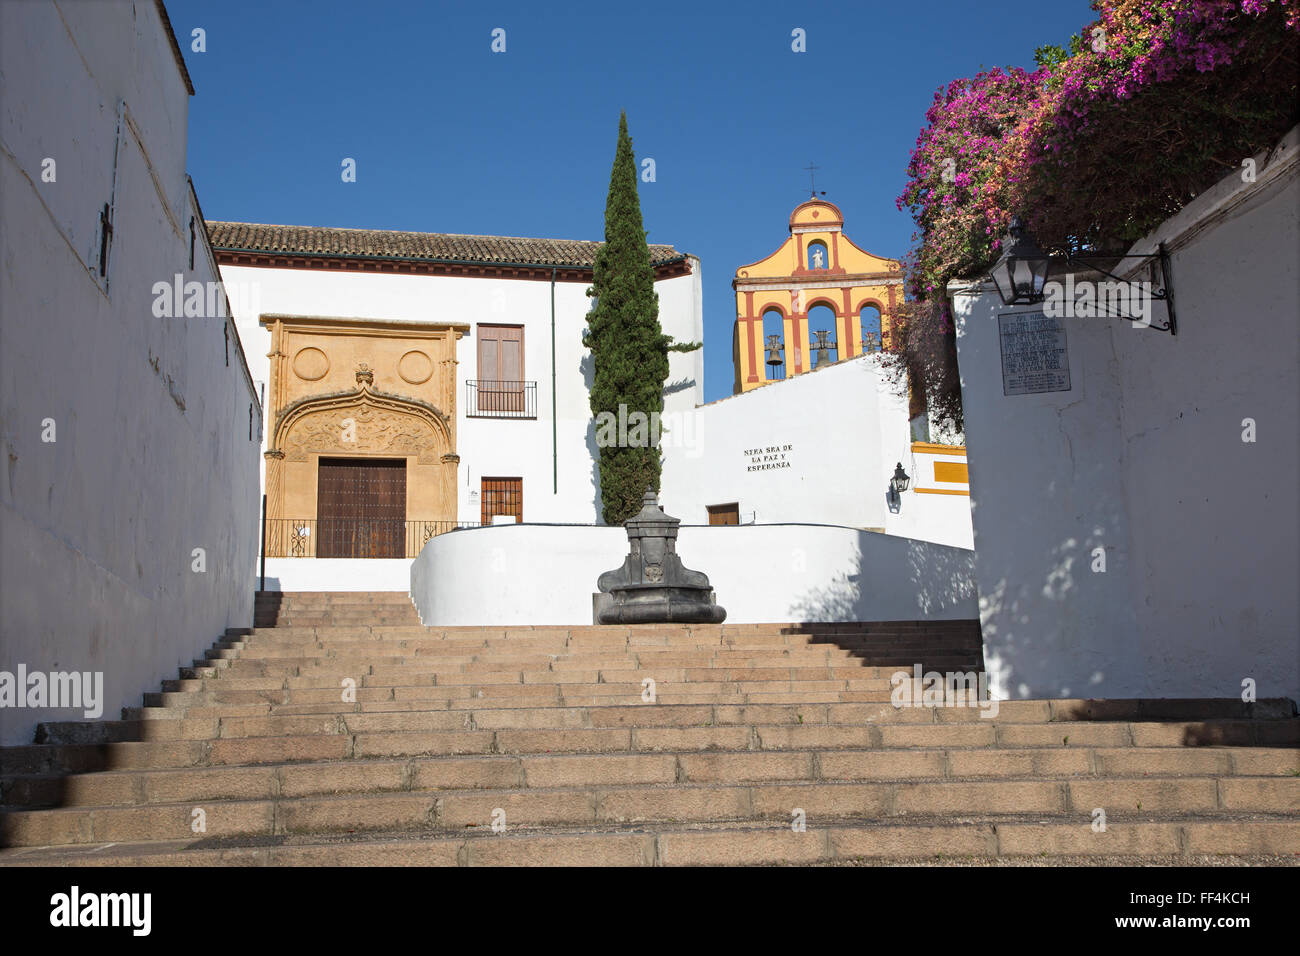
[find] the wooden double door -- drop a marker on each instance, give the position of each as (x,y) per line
(361,508)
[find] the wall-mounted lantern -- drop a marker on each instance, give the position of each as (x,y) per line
(897,485)
(1021,272)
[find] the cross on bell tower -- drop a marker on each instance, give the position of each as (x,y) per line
(812,182)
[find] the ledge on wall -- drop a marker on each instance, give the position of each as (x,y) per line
(524,574)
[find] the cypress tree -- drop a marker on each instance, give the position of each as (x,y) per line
(628,346)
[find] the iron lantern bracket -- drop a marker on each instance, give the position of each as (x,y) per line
(1163,294)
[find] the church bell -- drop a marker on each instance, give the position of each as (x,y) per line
(774,350)
(823,345)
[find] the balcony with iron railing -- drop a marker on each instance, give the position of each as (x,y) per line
(489,398)
(353,537)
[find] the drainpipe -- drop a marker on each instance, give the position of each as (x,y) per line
(555,467)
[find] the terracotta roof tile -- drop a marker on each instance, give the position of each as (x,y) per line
(432,246)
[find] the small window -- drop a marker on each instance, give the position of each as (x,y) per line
(503,496)
(724,514)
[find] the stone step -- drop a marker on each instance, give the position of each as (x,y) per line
(750,722)
(599,638)
(327,599)
(325,622)
(261,596)
(397,665)
(712,791)
(381,676)
(405,609)
(331,599)
(508,695)
(606,714)
(332,674)
(494,772)
(382,632)
(375,641)
(1187,839)
(660,714)
(539,692)
(429,646)
(318,609)
(423,667)
(649,634)
(505,660)
(744,679)
(482,738)
(392,599)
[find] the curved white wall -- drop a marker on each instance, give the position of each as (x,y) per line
(545,574)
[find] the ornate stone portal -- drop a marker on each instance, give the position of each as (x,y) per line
(653,586)
(360,389)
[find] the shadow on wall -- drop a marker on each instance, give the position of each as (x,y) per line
(938,576)
(681,385)
(587,366)
(1042,629)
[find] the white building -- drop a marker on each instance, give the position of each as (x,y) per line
(817,448)
(513,381)
(1135,506)
(127,499)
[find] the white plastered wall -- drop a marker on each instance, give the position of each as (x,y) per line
(151,457)
(1144,458)
(846,427)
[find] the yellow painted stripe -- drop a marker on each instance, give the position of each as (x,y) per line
(929,448)
(951,471)
(942,491)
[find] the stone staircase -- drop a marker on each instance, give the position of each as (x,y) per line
(340,731)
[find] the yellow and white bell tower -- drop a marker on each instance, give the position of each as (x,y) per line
(818,265)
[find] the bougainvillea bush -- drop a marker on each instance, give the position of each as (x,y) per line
(1152,103)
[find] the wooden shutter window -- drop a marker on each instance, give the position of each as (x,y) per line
(724,514)
(500,368)
(502,496)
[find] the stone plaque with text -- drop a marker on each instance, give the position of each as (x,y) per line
(1034,355)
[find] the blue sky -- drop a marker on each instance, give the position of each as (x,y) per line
(450,137)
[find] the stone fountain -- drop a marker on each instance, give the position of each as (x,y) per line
(653,586)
